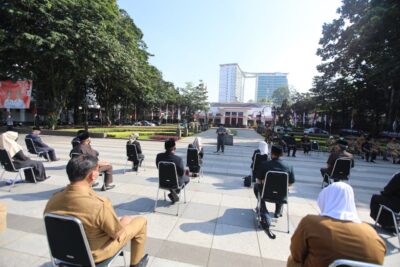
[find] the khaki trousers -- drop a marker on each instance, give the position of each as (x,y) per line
(136,233)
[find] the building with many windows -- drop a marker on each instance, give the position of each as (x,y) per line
(267,83)
(231,81)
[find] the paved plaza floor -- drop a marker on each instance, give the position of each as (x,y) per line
(216,227)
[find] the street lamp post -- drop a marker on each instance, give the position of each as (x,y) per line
(273,113)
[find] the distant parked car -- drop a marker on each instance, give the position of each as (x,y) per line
(315,130)
(147,123)
(388,134)
(351,132)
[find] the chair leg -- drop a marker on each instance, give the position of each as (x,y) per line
(1,177)
(184,194)
(379,215)
(126,164)
(287,212)
(155,204)
(397,227)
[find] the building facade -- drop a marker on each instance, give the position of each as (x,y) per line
(231,87)
(267,83)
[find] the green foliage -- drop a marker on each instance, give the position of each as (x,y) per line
(280,94)
(360,71)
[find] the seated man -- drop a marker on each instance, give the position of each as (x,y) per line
(368,149)
(106,233)
(306,143)
(291,145)
(169,155)
(339,151)
(390,197)
(133,141)
(40,145)
(393,150)
(85,148)
(75,141)
(275,164)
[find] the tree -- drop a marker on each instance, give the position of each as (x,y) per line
(280,94)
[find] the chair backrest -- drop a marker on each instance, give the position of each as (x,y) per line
(258,159)
(341,169)
(351,263)
(168,177)
(74,154)
(275,186)
(131,152)
(6,161)
(192,158)
(30,145)
(67,240)
(75,143)
(315,145)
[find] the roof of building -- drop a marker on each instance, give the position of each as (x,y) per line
(237,105)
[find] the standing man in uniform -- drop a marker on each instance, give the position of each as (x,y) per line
(106,232)
(221,132)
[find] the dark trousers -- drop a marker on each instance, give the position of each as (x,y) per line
(182,180)
(137,163)
(370,154)
(263,207)
(107,170)
(220,144)
(291,147)
(306,148)
(51,153)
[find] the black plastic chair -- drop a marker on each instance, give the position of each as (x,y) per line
(193,161)
(395,216)
(340,171)
(68,243)
(168,180)
(256,164)
(132,155)
(275,190)
(315,146)
(75,143)
(30,145)
(8,165)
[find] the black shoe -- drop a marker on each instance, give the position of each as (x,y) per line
(142,263)
(293,155)
(173,197)
(216,151)
(373,161)
(107,187)
(95,184)
(288,155)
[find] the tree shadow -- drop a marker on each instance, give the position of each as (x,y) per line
(32,196)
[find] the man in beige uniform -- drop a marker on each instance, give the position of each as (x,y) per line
(105,232)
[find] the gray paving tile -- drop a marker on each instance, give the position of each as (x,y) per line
(25,223)
(237,217)
(184,253)
(10,258)
(201,212)
(220,258)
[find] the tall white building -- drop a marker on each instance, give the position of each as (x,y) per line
(231,83)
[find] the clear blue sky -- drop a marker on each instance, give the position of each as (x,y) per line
(190,39)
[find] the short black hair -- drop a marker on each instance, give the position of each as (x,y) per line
(276,150)
(79,167)
(169,144)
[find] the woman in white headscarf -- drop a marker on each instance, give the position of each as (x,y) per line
(337,233)
(8,142)
(262,155)
(197,143)
(133,140)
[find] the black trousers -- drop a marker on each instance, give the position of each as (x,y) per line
(220,143)
(51,152)
(385,219)
(291,147)
(370,154)
(183,180)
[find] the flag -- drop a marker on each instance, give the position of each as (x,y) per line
(351,123)
(394,126)
(315,118)
(295,119)
(304,119)
(166,113)
(330,122)
(325,118)
(179,113)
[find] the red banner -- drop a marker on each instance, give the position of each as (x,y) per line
(15,95)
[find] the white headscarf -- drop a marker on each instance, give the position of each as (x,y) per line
(197,143)
(263,147)
(337,201)
(7,142)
